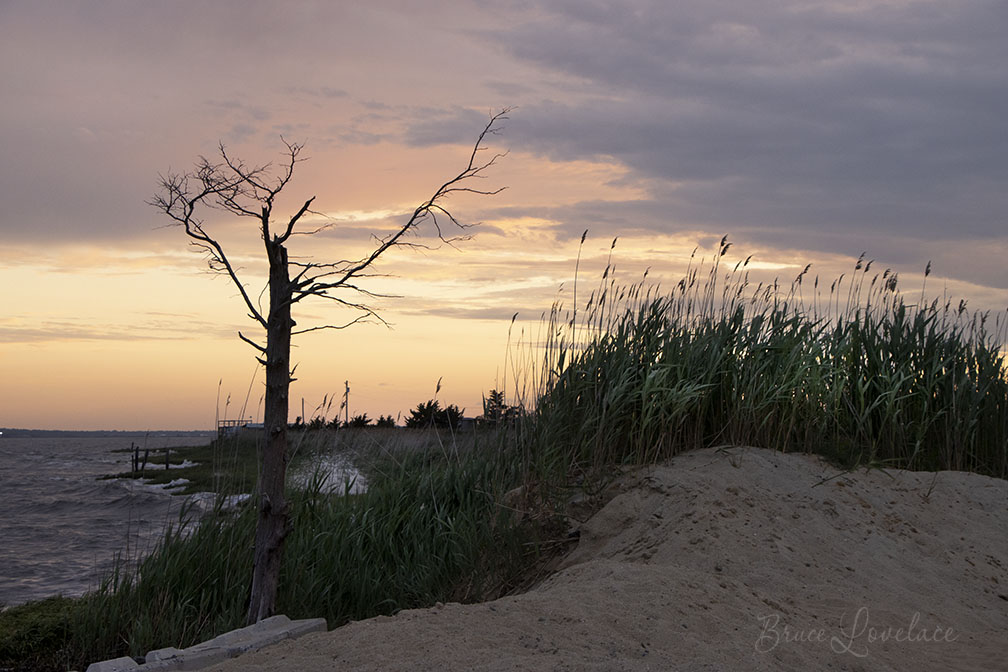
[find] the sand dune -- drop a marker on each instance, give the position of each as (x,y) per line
(739,559)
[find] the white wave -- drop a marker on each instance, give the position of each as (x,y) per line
(337,471)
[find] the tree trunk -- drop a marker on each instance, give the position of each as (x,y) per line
(273,524)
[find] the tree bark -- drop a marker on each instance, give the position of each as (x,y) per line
(273,523)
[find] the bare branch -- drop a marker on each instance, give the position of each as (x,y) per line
(252,343)
(294,219)
(293,150)
(356,320)
(178,202)
(428,209)
(318,229)
(249,191)
(248,175)
(322,292)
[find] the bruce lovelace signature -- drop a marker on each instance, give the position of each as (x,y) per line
(853,637)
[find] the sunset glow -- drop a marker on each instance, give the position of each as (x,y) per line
(806,132)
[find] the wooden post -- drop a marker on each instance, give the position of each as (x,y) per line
(136,457)
(143,467)
(166,458)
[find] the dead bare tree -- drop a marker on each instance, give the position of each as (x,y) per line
(250,191)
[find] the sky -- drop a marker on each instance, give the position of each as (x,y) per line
(806,131)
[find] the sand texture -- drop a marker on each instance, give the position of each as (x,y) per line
(738,559)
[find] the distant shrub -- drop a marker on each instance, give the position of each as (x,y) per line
(430,414)
(358,421)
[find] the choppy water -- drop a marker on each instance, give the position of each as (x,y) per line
(59,526)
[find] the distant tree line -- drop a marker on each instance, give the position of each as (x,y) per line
(427,414)
(355,422)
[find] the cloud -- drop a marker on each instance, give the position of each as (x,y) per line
(826,123)
(438,127)
(465,312)
(839,125)
(156,327)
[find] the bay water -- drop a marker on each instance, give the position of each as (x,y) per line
(61,527)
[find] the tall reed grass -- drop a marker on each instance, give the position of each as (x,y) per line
(864,373)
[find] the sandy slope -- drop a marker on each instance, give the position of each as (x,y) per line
(740,559)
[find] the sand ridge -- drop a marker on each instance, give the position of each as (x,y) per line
(730,559)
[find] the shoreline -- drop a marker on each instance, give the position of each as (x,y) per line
(172,484)
(19,433)
(63,525)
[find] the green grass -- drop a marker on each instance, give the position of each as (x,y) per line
(35,636)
